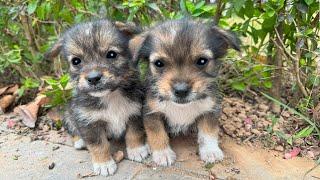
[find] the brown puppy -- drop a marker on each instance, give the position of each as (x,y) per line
(183,57)
(107,100)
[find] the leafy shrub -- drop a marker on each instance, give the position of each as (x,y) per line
(280,39)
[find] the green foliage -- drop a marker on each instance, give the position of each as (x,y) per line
(10,58)
(27,84)
(258,21)
(58,92)
(311,128)
(29,28)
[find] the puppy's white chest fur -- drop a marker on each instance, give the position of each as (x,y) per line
(116,113)
(181,116)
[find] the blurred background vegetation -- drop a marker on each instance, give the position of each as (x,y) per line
(280,43)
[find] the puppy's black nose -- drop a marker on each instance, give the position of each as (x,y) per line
(94,77)
(181,89)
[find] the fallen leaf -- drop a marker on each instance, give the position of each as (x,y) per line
(4,89)
(6,101)
(13,90)
(293,153)
(28,113)
(42,100)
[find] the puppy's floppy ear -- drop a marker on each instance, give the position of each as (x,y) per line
(138,47)
(230,37)
(54,50)
(129,28)
(221,40)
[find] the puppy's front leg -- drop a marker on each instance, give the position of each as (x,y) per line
(208,129)
(99,147)
(137,150)
(158,140)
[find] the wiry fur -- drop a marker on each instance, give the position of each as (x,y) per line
(112,106)
(179,44)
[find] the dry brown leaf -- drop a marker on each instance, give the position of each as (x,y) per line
(13,90)
(42,99)
(29,113)
(3,90)
(6,101)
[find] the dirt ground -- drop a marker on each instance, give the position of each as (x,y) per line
(244,162)
(22,156)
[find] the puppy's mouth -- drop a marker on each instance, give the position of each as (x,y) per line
(99,89)
(181,101)
(186,100)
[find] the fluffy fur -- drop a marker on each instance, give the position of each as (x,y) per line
(107,98)
(182,91)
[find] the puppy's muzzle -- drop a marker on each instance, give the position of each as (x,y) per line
(181,90)
(94,77)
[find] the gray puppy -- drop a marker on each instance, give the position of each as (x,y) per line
(108,98)
(183,57)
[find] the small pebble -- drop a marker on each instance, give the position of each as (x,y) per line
(279,148)
(55,148)
(285,114)
(242,116)
(46,128)
(51,166)
(248,127)
(310,154)
(263,107)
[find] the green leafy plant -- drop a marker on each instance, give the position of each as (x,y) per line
(313,127)
(58,92)
(9,58)
(27,84)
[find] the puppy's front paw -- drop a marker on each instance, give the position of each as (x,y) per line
(211,154)
(79,144)
(164,157)
(138,154)
(209,148)
(105,169)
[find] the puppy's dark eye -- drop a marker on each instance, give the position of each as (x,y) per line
(111,55)
(202,62)
(159,63)
(76,61)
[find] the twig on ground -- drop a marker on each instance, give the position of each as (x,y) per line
(310,170)
(249,138)
(91,174)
